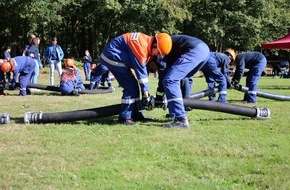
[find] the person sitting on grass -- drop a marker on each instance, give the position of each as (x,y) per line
(71,81)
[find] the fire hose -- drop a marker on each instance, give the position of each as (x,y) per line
(264,94)
(40,117)
(56,89)
(87,86)
(254,112)
(204,93)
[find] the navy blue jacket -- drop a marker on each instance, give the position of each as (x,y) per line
(246,60)
(33,51)
(180,45)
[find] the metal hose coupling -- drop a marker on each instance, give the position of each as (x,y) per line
(32,117)
(4,118)
(262,113)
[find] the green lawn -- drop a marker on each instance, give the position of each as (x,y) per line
(219,151)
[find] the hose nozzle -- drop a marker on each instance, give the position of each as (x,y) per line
(4,118)
(263,113)
(31,117)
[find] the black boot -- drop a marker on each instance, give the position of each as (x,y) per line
(179,122)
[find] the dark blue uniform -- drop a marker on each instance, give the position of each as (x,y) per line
(87,66)
(99,73)
(213,74)
(256,63)
(187,56)
(24,67)
(126,52)
(70,82)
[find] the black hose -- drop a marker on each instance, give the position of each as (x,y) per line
(84,91)
(87,86)
(254,112)
(39,117)
(265,95)
(204,93)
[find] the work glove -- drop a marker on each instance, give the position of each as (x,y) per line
(229,85)
(2,89)
(6,85)
(159,99)
(12,84)
(234,83)
(146,102)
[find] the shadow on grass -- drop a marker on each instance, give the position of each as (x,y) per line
(46,93)
(40,93)
(275,87)
(18,120)
(226,119)
(243,103)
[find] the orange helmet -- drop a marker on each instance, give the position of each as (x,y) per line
(231,52)
(7,66)
(164,43)
(69,63)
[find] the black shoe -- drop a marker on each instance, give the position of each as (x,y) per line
(74,93)
(168,115)
(178,123)
(187,108)
(127,121)
(143,118)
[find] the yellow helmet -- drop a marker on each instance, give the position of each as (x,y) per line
(164,43)
(231,52)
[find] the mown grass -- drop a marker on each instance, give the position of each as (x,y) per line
(219,151)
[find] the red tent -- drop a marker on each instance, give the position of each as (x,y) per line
(282,43)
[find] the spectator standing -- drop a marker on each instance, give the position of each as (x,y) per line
(33,51)
(27,45)
(6,53)
(54,55)
(87,60)
(7,56)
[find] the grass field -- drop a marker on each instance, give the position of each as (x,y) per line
(219,151)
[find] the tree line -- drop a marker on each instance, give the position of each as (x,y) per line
(90,24)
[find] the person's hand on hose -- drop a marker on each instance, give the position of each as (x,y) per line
(12,84)
(234,83)
(159,99)
(229,85)
(146,102)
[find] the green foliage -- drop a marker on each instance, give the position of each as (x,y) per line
(81,24)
